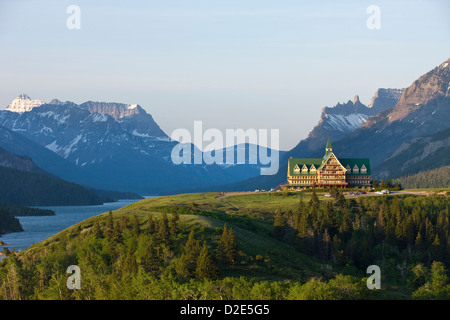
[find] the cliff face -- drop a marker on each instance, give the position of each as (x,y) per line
(115,110)
(432,85)
(385,99)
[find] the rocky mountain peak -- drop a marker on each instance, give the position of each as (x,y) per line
(23,103)
(385,98)
(432,85)
(115,110)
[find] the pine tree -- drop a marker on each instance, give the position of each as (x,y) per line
(419,242)
(134,222)
(435,250)
(149,259)
(150,226)
(314,202)
(221,247)
(334,192)
(326,244)
(375,183)
(227,248)
(97,231)
(232,247)
(191,252)
(109,225)
(340,201)
(173,223)
(205,267)
(279,225)
(129,264)
(116,237)
(163,229)
(302,226)
(182,266)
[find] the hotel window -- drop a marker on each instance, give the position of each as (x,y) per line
(312,169)
(305,169)
(363,169)
(296,169)
(355,169)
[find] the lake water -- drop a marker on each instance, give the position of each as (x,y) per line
(40,228)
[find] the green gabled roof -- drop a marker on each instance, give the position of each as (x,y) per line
(317,162)
(359,162)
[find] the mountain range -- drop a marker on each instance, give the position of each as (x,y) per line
(397,124)
(112,146)
(117,146)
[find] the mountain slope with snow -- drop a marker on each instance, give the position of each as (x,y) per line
(115,146)
(23,103)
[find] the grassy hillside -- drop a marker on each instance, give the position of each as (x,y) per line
(255,246)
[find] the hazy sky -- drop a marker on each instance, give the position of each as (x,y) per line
(232,64)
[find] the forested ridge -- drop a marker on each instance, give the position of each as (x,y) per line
(37,189)
(250,247)
(435,178)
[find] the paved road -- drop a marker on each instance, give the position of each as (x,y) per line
(369,194)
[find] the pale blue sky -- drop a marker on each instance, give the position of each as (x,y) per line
(232,64)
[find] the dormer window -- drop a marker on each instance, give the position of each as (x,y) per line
(296,169)
(348,168)
(355,169)
(304,169)
(363,169)
(312,169)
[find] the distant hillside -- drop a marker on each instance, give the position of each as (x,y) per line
(436,178)
(419,154)
(17,185)
(35,189)
(7,159)
(21,211)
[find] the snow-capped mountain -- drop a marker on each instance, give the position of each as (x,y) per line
(350,116)
(23,103)
(114,146)
(422,110)
(133,118)
(344,118)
